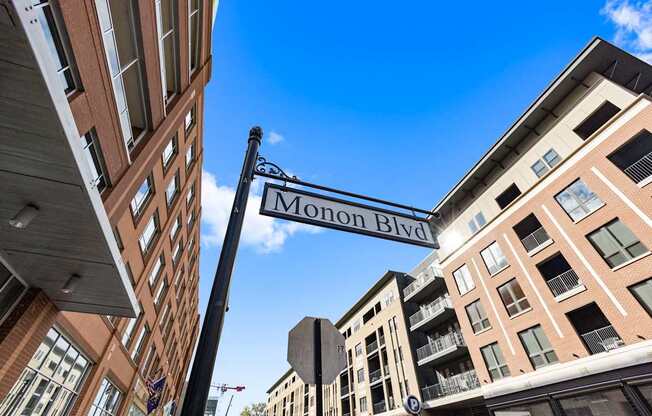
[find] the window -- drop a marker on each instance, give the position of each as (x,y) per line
(538,347)
(191,219)
(57,41)
(616,243)
(358,350)
(170,150)
(143,194)
(160,292)
(363,404)
(463,279)
(174,229)
(477,222)
(194,35)
(176,253)
(356,326)
(117,18)
(190,118)
(598,403)
(634,158)
(578,200)
(494,258)
(513,298)
(596,120)
(495,362)
(149,233)
(156,270)
(643,293)
(140,343)
(508,195)
(531,233)
(107,400)
(543,165)
(11,290)
(94,160)
(191,194)
(50,382)
(167,49)
(527,409)
(477,317)
(172,189)
(190,155)
(128,332)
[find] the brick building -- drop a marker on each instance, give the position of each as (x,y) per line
(102,118)
(539,301)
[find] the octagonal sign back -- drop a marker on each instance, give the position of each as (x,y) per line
(301,350)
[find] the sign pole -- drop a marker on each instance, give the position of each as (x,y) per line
(318,373)
(202,368)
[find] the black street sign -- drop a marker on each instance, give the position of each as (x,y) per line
(326,211)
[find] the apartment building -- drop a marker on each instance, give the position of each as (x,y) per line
(545,248)
(380,364)
(539,301)
(100,159)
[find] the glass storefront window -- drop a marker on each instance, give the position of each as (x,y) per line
(51,381)
(528,409)
(599,403)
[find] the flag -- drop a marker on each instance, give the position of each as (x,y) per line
(155,390)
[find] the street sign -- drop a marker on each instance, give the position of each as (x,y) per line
(302,350)
(326,211)
(412,405)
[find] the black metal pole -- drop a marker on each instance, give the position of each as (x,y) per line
(199,384)
(318,384)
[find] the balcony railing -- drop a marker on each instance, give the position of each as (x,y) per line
(379,407)
(602,339)
(344,390)
(423,279)
(452,385)
(372,347)
(535,239)
(435,307)
(641,169)
(440,344)
(375,376)
(564,282)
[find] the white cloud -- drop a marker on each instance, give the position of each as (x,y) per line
(633,25)
(275,137)
(264,234)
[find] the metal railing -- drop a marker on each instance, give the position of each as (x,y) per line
(602,339)
(641,169)
(434,308)
(564,282)
(439,344)
(535,239)
(344,390)
(372,347)
(423,279)
(455,384)
(375,376)
(379,407)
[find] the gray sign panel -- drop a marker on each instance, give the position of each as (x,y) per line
(325,211)
(301,350)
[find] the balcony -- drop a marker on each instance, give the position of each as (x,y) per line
(535,239)
(564,283)
(634,158)
(344,390)
(440,349)
(532,234)
(424,285)
(372,347)
(602,340)
(375,376)
(49,177)
(432,314)
(379,407)
(456,384)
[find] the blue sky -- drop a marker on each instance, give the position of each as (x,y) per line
(394,100)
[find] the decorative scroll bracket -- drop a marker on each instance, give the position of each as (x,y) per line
(271,170)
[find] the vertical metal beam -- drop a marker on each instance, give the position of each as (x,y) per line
(319,407)
(202,368)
